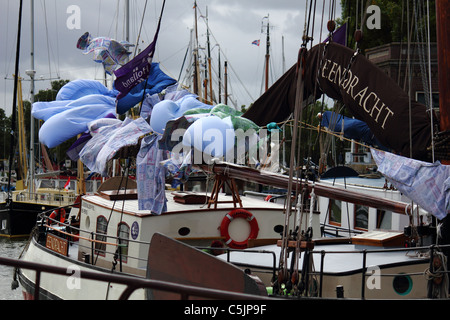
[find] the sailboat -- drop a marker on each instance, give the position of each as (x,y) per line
(373,264)
(19,211)
(112,233)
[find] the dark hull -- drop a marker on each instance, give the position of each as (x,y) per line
(19,218)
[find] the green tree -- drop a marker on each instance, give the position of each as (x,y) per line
(394,21)
(308,143)
(5,123)
(57,154)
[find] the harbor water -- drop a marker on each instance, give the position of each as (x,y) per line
(10,248)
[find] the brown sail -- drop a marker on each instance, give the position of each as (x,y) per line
(369,94)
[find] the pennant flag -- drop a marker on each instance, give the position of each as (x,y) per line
(138,69)
(339,35)
(67,185)
(256,42)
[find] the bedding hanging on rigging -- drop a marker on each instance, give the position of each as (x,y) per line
(427,184)
(109,52)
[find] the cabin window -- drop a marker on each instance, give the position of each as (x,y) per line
(123,234)
(384,219)
(422,98)
(100,230)
(361,217)
(335,212)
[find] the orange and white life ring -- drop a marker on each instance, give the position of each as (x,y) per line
(234,214)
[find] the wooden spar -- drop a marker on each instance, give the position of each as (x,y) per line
(320,189)
(443,46)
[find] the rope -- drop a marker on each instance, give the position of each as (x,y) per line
(438,278)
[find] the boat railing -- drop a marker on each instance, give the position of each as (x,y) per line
(51,198)
(131,283)
(98,242)
(423,252)
(337,231)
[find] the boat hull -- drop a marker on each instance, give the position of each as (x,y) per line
(70,287)
(389,274)
(18,219)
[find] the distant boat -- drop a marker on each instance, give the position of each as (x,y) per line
(20,207)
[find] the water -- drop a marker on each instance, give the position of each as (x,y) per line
(10,248)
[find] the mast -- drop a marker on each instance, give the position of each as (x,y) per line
(220,77)
(209,60)
(443,49)
(267,53)
(197,85)
(13,111)
(226,82)
(282,54)
(127,20)
(31,73)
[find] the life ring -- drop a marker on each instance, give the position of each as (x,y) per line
(230,216)
(54,215)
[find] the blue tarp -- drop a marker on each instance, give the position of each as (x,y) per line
(157,81)
(353,128)
(427,184)
(82,101)
(74,119)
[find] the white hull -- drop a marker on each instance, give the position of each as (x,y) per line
(71,287)
(203,224)
(390,274)
(197,224)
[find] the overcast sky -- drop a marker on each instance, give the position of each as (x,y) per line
(234,25)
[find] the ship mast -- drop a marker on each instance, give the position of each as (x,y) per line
(31,73)
(267,51)
(197,80)
(14,105)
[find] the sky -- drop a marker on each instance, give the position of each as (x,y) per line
(234,25)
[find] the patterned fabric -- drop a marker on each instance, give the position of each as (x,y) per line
(111,53)
(150,176)
(427,184)
(109,140)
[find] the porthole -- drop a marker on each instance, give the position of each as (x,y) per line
(184,231)
(278,228)
(402,284)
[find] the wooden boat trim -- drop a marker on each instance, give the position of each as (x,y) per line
(282,181)
(118,208)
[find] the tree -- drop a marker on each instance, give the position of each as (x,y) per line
(57,153)
(394,21)
(5,123)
